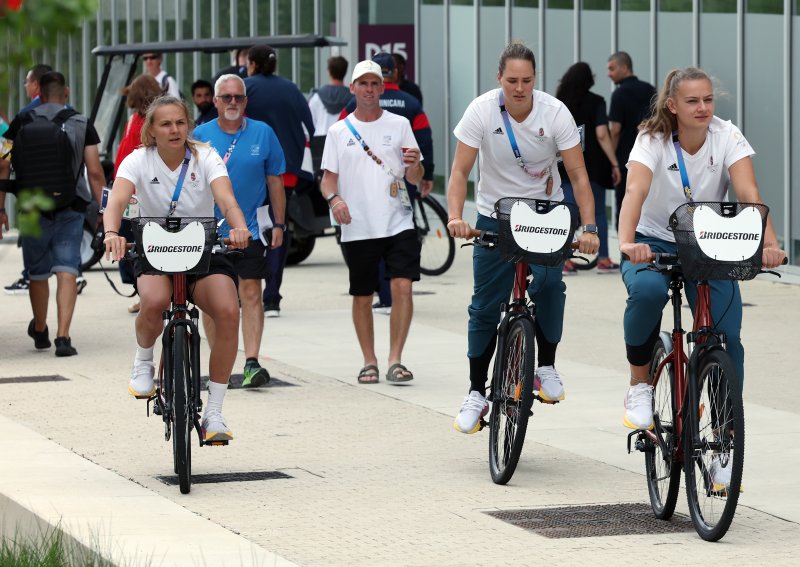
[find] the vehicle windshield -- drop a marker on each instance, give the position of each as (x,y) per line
(106,122)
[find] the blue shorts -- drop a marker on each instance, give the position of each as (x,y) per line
(57,248)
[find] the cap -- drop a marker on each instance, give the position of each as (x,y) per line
(364,68)
(386,61)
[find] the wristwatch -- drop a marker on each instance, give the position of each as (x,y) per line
(281,226)
(590,228)
(331,197)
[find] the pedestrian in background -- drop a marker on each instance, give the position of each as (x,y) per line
(589,111)
(279,103)
(367,156)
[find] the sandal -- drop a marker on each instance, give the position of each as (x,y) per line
(399,373)
(369,375)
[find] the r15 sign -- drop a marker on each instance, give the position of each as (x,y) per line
(374,38)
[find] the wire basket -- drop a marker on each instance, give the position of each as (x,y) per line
(174,245)
(542,231)
(719,241)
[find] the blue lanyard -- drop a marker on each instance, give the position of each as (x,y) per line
(687,190)
(511,138)
(365,147)
(179,185)
(241,129)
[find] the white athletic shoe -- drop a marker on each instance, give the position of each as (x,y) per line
(639,407)
(142,385)
(551,389)
(214,427)
(472,410)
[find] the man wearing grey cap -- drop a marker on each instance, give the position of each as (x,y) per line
(368,157)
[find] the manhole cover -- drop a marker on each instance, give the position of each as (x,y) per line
(593,521)
(227,477)
(32,379)
(237,379)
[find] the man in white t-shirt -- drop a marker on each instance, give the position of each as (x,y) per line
(366,158)
(152,65)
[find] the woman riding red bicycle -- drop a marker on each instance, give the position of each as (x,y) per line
(174,175)
(683,153)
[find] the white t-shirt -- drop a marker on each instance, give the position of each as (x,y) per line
(363,184)
(707,171)
(547,129)
(172,84)
(155,182)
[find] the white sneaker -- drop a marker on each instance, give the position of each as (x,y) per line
(272,313)
(720,474)
(214,427)
(639,407)
(549,382)
(142,385)
(472,410)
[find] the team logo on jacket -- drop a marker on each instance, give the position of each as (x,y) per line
(193,177)
(673,167)
(155,181)
(351,142)
(498,131)
(387,140)
(541,131)
(255,149)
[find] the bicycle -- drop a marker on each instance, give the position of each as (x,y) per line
(530,231)
(698,416)
(178,247)
(438,248)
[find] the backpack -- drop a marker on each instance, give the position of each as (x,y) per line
(165,85)
(43,157)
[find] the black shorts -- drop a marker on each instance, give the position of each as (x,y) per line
(252,263)
(400,253)
(220,264)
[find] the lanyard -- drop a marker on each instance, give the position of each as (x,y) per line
(513,141)
(179,185)
(241,129)
(370,153)
(687,190)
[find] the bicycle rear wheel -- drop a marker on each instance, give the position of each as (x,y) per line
(714,446)
(663,473)
(438,248)
(512,398)
(182,420)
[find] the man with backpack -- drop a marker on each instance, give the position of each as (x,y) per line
(152,65)
(51,145)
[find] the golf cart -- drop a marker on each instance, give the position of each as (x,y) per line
(307,213)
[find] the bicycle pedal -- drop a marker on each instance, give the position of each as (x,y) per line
(542,400)
(482,423)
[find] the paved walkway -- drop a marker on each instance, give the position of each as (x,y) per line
(378,476)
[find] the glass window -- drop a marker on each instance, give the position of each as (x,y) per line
(718,6)
(634,36)
(764,6)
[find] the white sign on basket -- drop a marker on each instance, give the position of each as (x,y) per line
(173,252)
(728,239)
(540,233)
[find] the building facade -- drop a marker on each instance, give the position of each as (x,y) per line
(749,46)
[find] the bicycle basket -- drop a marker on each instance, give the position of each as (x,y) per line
(535,231)
(719,241)
(174,245)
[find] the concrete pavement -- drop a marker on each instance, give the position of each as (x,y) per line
(378,476)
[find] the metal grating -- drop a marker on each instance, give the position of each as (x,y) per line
(33,379)
(593,521)
(215,478)
(236,380)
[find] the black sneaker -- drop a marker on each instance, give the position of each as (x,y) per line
(19,287)
(64,347)
(254,375)
(80,282)
(41,339)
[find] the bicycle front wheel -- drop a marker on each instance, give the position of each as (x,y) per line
(182,422)
(438,248)
(714,446)
(662,471)
(512,398)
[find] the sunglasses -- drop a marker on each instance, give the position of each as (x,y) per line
(148,57)
(226,98)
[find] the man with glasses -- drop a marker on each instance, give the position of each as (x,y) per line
(152,65)
(255,163)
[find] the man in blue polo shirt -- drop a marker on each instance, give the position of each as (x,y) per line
(255,163)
